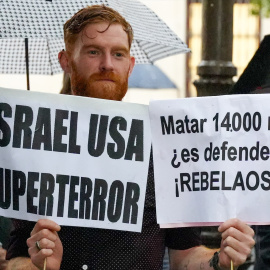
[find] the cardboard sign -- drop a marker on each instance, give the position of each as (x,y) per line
(212,159)
(75,160)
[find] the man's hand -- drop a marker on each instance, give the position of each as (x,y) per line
(45,232)
(237,242)
(3,261)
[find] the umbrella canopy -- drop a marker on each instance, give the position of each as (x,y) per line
(149,76)
(41,22)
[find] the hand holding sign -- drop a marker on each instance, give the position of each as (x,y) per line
(51,249)
(237,242)
(236,245)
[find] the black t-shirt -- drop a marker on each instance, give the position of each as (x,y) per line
(102,249)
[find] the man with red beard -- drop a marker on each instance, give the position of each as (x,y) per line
(98,61)
(97,57)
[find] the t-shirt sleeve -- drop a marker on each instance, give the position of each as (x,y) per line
(183,238)
(20,233)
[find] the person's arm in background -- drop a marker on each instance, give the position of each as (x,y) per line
(237,242)
(3,261)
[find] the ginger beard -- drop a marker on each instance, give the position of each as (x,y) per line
(104,84)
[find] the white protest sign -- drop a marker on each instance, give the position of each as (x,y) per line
(211,159)
(75,160)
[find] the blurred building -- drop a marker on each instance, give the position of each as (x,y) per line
(185,19)
(246,38)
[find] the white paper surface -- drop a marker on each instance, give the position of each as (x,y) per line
(47,160)
(203,188)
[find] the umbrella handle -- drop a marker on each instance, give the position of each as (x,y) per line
(27,63)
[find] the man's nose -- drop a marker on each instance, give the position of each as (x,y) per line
(106,63)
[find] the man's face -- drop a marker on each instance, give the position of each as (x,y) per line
(100,63)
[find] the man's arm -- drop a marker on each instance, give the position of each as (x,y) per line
(237,242)
(21,263)
(191,259)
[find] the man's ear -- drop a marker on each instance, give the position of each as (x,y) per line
(63,59)
(132,64)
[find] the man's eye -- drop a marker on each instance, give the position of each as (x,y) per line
(118,54)
(92,52)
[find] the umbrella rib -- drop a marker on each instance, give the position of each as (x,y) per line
(50,61)
(27,62)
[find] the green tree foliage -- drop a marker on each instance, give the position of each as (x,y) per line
(260,7)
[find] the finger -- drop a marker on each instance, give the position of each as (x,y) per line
(238,246)
(45,224)
(43,244)
(239,236)
(42,235)
(237,257)
(38,258)
(3,265)
(42,254)
(238,224)
(2,253)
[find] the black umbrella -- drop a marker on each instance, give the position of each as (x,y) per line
(257,72)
